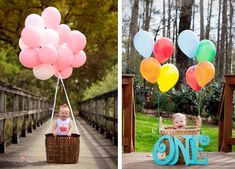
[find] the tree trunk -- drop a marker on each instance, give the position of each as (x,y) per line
(208,26)
(175,30)
(230,45)
(201,20)
(193,20)
(223,39)
(133,31)
(185,22)
(164,19)
(169,19)
(218,44)
(146,22)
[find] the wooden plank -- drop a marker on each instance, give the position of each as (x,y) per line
(2,141)
(145,161)
(128,116)
(230,141)
(221,119)
(15,136)
(228,117)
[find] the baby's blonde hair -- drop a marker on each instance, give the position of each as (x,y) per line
(178,115)
(64,107)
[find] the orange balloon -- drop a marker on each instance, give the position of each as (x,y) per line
(150,69)
(204,73)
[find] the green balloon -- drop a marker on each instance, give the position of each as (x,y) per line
(206,51)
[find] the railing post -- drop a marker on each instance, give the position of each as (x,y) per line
(29,108)
(114,138)
(2,122)
(96,115)
(101,130)
(34,115)
(15,135)
(128,113)
(24,128)
(106,133)
(38,112)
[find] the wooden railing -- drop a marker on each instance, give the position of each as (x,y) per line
(101,113)
(226,115)
(20,113)
(128,113)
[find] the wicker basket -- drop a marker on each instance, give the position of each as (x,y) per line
(62,149)
(190,130)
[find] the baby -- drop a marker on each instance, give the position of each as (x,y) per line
(63,125)
(179,121)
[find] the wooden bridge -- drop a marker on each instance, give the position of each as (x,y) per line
(24,121)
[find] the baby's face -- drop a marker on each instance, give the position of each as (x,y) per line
(64,114)
(179,123)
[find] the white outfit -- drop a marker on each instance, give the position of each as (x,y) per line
(63,126)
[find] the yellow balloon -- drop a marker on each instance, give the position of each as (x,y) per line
(169,76)
(150,69)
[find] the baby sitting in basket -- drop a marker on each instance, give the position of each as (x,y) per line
(178,122)
(63,125)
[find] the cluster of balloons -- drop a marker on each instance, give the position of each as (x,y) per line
(51,48)
(199,75)
(166,75)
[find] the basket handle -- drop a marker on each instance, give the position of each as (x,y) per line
(53,109)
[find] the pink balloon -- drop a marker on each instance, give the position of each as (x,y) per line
(65,57)
(63,31)
(31,37)
(22,45)
(48,54)
(34,20)
(29,58)
(66,73)
(79,59)
(44,71)
(76,41)
(50,37)
(51,17)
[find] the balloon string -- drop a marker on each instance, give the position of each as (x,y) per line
(53,109)
(70,107)
(158,109)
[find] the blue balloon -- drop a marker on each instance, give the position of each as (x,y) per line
(143,43)
(188,43)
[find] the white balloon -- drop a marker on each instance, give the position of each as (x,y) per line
(50,37)
(34,20)
(22,45)
(44,71)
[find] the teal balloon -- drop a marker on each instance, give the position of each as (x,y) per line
(206,51)
(188,43)
(143,43)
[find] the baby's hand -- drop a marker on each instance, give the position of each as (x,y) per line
(69,134)
(54,134)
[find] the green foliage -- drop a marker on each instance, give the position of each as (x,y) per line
(8,128)
(107,84)
(185,100)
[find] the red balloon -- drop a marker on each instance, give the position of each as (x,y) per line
(163,49)
(191,79)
